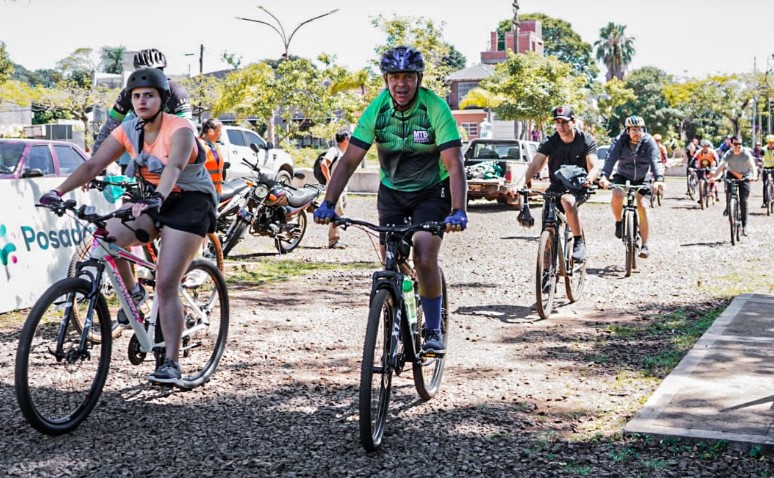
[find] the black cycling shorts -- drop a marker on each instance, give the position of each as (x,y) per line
(191,212)
(557,187)
(431,204)
(620,180)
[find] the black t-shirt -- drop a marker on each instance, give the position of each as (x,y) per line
(560,153)
(177,103)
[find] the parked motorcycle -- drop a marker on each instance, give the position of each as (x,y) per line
(262,206)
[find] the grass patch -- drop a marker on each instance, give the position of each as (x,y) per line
(740,282)
(12,319)
(265,272)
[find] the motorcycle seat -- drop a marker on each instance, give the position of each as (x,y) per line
(301,197)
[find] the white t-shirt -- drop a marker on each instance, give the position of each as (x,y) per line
(334,153)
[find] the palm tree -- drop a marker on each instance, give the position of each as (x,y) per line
(615,50)
(112,58)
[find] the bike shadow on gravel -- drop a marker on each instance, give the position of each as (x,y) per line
(505,313)
(704,244)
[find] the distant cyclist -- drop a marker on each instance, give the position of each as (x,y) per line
(567,146)
(740,165)
(767,158)
(704,158)
(636,153)
(421,170)
(177,104)
(661,148)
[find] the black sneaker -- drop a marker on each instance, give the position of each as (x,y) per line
(644,251)
(619,229)
(744,230)
(725,212)
(138,298)
(579,251)
(167,374)
(433,342)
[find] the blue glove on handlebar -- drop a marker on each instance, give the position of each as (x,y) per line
(326,211)
(458,217)
(51,197)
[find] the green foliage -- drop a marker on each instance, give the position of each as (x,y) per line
(202,92)
(111,59)
(47,78)
(79,65)
(6,66)
(615,49)
(649,102)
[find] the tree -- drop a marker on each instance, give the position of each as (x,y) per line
(44,77)
(561,41)
(455,60)
(6,66)
(202,91)
(528,86)
(234,60)
(615,50)
(112,59)
(611,95)
(649,101)
(79,66)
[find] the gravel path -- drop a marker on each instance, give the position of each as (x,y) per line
(520,397)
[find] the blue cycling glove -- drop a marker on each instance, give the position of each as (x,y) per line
(51,197)
(326,211)
(458,217)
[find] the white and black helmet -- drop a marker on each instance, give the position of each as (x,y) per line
(149,58)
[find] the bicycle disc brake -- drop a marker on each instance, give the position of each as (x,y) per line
(136,356)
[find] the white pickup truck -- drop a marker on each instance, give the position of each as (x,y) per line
(495,168)
(236,143)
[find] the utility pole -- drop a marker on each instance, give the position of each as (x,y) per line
(516,26)
(201,59)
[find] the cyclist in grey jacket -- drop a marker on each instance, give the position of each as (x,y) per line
(637,154)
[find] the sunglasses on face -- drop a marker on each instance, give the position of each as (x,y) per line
(737,144)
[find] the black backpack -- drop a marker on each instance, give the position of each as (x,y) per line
(318,174)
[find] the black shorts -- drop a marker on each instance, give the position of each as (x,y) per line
(191,212)
(431,204)
(620,180)
(557,187)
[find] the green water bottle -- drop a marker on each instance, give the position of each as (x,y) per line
(408,298)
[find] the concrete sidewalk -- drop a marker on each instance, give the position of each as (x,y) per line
(724,388)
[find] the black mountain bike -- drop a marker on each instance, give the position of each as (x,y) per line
(734,209)
(692,182)
(393,339)
(767,174)
(631,224)
(706,189)
(554,258)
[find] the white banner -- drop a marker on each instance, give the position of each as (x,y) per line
(35,244)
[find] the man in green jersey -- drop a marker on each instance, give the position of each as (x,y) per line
(421,169)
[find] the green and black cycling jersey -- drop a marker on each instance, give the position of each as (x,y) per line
(409,143)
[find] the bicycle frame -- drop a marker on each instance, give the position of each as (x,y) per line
(555,219)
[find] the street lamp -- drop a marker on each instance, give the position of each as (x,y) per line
(281,30)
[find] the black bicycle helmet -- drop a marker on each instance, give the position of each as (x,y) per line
(149,58)
(402,59)
(151,78)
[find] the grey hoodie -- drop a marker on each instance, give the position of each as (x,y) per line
(634,166)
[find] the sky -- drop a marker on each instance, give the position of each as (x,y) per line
(686,38)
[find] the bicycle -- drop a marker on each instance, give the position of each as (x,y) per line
(767,174)
(734,209)
(61,368)
(692,181)
(554,258)
(393,338)
(630,234)
(707,189)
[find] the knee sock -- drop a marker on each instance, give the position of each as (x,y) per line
(432,310)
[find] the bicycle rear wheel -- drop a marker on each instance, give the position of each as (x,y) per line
(213,251)
(629,242)
(575,277)
(545,274)
(206,308)
(732,219)
(57,384)
(376,370)
(428,371)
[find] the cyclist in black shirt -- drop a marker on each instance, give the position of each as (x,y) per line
(567,146)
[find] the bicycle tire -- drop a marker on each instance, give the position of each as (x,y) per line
(770,189)
(428,371)
(659,197)
(376,370)
(575,278)
(292,233)
(51,407)
(202,349)
(629,242)
(545,274)
(738,215)
(692,183)
(233,234)
(703,194)
(732,219)
(213,250)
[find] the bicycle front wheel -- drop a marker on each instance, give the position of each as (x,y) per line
(770,198)
(629,242)
(732,219)
(692,180)
(428,371)
(575,277)
(57,382)
(545,274)
(233,234)
(291,233)
(376,370)
(738,216)
(703,200)
(206,308)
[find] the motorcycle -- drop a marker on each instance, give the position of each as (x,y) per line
(262,206)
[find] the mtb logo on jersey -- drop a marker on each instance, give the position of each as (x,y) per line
(421,137)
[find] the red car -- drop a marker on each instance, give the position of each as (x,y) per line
(32,158)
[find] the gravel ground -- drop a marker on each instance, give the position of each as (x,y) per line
(520,397)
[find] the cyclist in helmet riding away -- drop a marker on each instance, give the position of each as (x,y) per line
(422,174)
(636,153)
(767,161)
(177,103)
(740,165)
(567,146)
(179,196)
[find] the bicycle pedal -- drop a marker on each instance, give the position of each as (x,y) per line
(431,355)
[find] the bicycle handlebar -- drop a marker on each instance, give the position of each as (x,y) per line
(552,194)
(430,226)
(88,213)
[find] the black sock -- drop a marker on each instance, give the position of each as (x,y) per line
(578,238)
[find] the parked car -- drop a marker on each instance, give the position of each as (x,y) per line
(235,147)
(32,158)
